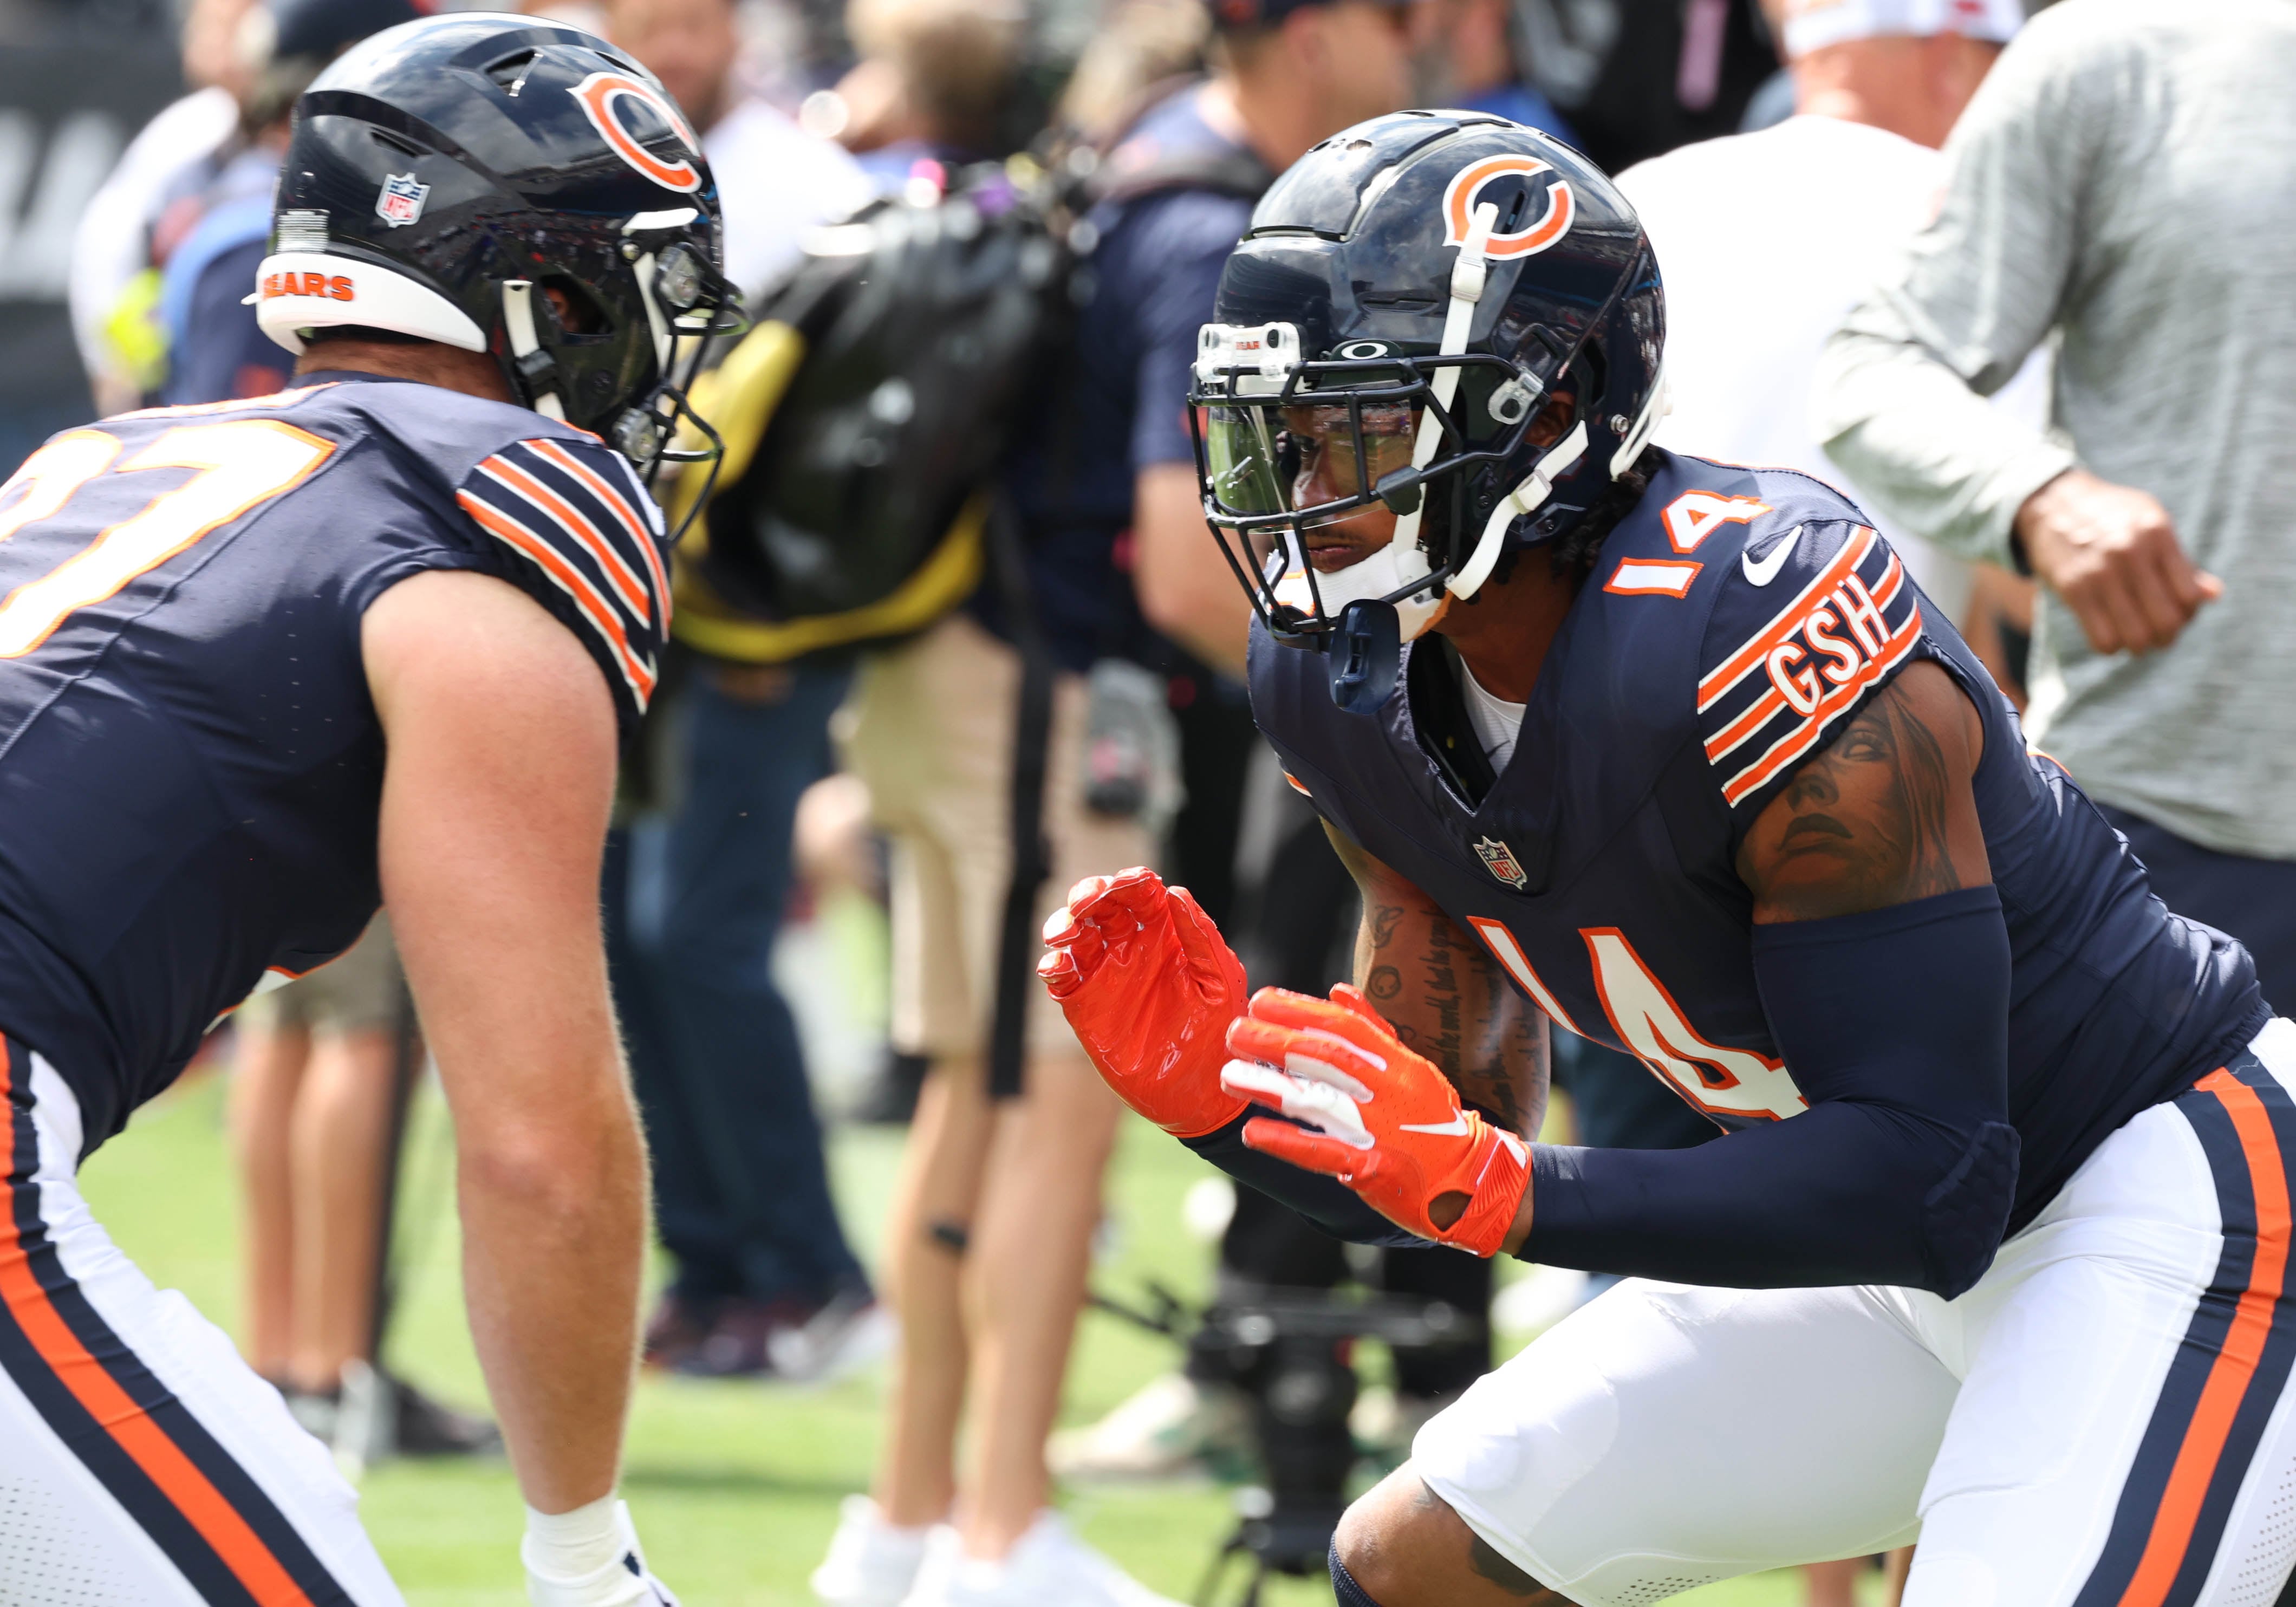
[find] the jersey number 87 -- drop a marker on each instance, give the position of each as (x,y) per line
(241,464)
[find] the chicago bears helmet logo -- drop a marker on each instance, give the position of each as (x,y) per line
(603,96)
(1546,224)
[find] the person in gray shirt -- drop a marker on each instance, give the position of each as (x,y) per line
(2125,182)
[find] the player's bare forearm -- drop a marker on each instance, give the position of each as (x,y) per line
(496,798)
(1884,816)
(1446,997)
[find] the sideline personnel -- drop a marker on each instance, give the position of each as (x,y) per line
(2124,180)
(263,662)
(990,1227)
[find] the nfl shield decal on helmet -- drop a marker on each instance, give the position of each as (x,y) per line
(1500,861)
(401,200)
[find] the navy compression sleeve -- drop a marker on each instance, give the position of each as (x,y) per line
(1325,1201)
(1895,1025)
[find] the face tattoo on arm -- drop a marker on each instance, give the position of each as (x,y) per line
(1883,816)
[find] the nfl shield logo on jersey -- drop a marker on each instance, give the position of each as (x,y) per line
(401,200)
(1500,861)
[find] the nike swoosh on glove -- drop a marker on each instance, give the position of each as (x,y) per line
(1387,1122)
(1149,986)
(624,1582)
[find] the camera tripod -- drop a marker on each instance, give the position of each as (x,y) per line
(1290,1352)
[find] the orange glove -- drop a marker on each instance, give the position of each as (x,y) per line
(1150,987)
(1389,1125)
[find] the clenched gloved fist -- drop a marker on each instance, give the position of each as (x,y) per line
(1387,1122)
(1150,987)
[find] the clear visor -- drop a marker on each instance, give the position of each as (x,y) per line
(1264,458)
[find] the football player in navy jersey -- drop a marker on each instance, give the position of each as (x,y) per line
(1675,754)
(263,662)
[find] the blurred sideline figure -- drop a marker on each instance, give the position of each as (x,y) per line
(214,350)
(376,637)
(313,1076)
(315,1068)
(928,86)
(774,180)
(1636,78)
(696,888)
(1469,56)
(1854,171)
(114,285)
(993,1215)
(2127,180)
(1140,53)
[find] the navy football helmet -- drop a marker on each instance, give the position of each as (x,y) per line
(446,173)
(1410,297)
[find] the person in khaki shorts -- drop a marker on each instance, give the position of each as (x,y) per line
(992,1217)
(987,1279)
(310,1116)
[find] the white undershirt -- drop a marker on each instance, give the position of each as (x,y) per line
(1497,722)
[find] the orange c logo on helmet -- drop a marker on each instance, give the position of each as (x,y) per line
(1535,235)
(601,95)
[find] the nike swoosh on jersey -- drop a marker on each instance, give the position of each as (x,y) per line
(1761,571)
(1456,1127)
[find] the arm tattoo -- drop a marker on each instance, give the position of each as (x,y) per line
(1863,825)
(1447,999)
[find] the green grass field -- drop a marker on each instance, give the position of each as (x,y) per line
(734,1484)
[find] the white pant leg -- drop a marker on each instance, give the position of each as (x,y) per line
(1664,1437)
(2124,1436)
(128,1420)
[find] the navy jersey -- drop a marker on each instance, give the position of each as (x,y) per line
(191,768)
(1736,619)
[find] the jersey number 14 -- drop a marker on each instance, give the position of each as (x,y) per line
(1718,1080)
(240,465)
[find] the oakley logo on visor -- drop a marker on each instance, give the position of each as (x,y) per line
(604,96)
(1551,209)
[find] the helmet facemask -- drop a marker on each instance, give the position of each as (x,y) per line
(585,358)
(1374,442)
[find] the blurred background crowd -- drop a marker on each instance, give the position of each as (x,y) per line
(1994,337)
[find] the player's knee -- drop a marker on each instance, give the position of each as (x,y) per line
(1379,1536)
(1344,1587)
(1402,1545)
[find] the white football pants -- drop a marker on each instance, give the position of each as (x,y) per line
(2104,1421)
(142,1463)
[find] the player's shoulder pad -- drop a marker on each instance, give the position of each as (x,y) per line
(580,528)
(1698,516)
(1807,617)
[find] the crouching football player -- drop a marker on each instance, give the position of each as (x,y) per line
(263,661)
(1675,754)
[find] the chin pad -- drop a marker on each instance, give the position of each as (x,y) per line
(1366,651)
